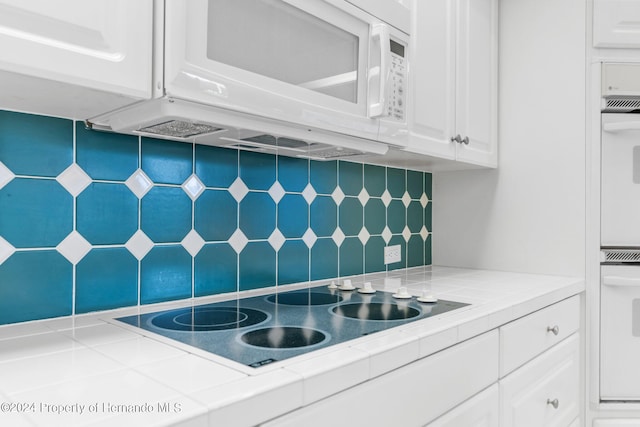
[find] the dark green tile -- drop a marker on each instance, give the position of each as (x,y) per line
(107,213)
(167,162)
(375,216)
(293,216)
(415,216)
(428,184)
(415,251)
(257,170)
(323,216)
(106,155)
(293,173)
(324,259)
(396,182)
(396,216)
(428,216)
(374,255)
(350,178)
(35,145)
(293,262)
(257,266)
(415,184)
(351,257)
(106,278)
(257,215)
(350,216)
(323,176)
(166,214)
(216,166)
(215,270)
(35,285)
(375,180)
(35,213)
(427,251)
(165,274)
(216,215)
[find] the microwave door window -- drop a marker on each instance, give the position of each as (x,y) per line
(276,40)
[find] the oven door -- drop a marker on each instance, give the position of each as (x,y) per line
(620,332)
(321,64)
(620,190)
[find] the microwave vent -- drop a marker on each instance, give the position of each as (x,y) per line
(620,256)
(621,104)
(278,142)
(179,129)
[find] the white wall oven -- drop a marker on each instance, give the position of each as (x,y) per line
(620,234)
(315,65)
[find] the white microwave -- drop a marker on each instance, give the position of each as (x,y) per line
(233,71)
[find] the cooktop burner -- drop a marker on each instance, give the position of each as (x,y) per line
(376,311)
(283,337)
(259,330)
(209,318)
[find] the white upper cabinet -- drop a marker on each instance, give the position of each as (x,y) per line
(453,105)
(74,58)
(616,23)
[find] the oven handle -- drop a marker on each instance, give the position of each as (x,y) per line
(621,126)
(620,281)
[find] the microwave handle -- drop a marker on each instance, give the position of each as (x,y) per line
(620,281)
(380,32)
(621,126)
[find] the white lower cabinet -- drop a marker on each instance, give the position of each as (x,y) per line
(545,391)
(412,395)
(482,410)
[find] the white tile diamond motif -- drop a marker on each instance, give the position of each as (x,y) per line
(74,247)
(192,242)
(238,190)
(406,199)
(139,183)
(424,233)
(337,196)
(386,198)
(276,240)
(139,245)
(406,233)
(424,200)
(276,192)
(238,241)
(309,193)
(363,197)
(364,236)
(193,187)
(387,235)
(6,250)
(5,175)
(74,179)
(338,237)
(309,238)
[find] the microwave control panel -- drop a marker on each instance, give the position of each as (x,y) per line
(398,79)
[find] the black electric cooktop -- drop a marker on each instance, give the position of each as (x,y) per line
(256,331)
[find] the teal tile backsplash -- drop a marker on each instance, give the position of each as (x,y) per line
(94,221)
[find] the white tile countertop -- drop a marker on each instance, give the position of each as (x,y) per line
(89,370)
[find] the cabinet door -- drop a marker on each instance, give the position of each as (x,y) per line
(104,45)
(482,410)
(544,392)
(476,80)
(616,23)
(432,74)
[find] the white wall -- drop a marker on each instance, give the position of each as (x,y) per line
(529,214)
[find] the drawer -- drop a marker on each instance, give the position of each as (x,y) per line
(546,391)
(525,338)
(482,410)
(409,396)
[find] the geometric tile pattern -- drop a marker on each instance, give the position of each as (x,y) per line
(186,220)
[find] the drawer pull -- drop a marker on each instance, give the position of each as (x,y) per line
(553,403)
(555,329)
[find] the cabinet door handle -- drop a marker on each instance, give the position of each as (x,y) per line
(465,140)
(456,138)
(555,329)
(553,403)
